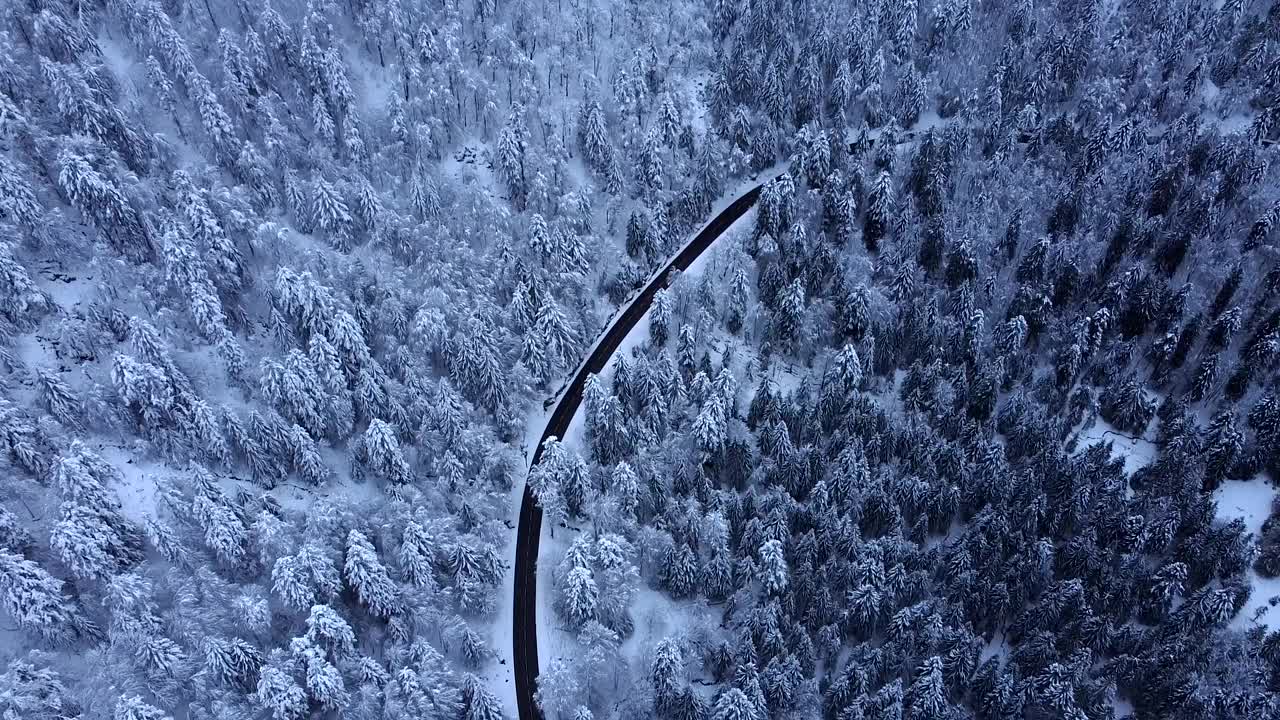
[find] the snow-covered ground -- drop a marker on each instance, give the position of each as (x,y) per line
(998,648)
(1250,501)
(1137,452)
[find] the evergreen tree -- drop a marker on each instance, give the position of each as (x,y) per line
(478,702)
(34,600)
(679,570)
(131,707)
(512,144)
(593,139)
(879,211)
(774,567)
(368,578)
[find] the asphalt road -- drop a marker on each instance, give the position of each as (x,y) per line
(529,531)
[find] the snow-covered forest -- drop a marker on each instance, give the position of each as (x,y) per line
(976,415)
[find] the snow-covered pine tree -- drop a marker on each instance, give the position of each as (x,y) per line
(513,142)
(35,601)
(366,575)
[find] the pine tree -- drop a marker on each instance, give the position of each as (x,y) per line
(927,696)
(89,543)
(559,688)
(732,704)
(99,197)
(19,202)
(366,575)
(383,455)
(626,487)
(330,213)
(306,458)
(224,532)
(717,577)
(573,483)
(34,600)
(709,426)
(580,597)
(327,629)
(666,675)
(478,702)
(513,141)
(911,96)
(879,211)
(637,237)
(223,259)
(1222,449)
(324,683)
(423,195)
(560,338)
(773,565)
(417,555)
(59,399)
(593,139)
(92,537)
(131,707)
(648,162)
(36,693)
(687,350)
(679,571)
(278,692)
(660,318)
(789,318)
(22,302)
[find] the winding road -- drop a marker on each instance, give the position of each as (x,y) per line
(529,531)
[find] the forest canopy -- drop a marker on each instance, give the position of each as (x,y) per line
(974,415)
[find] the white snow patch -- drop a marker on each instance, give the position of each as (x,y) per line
(375,85)
(470,166)
(1250,501)
(657,616)
(117,59)
(695,109)
(1235,123)
(1261,606)
(927,121)
(997,648)
(1137,452)
(139,480)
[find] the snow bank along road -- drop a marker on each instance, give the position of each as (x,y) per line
(528,532)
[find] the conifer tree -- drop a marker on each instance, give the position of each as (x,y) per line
(366,575)
(35,601)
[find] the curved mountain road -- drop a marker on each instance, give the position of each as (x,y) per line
(529,531)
